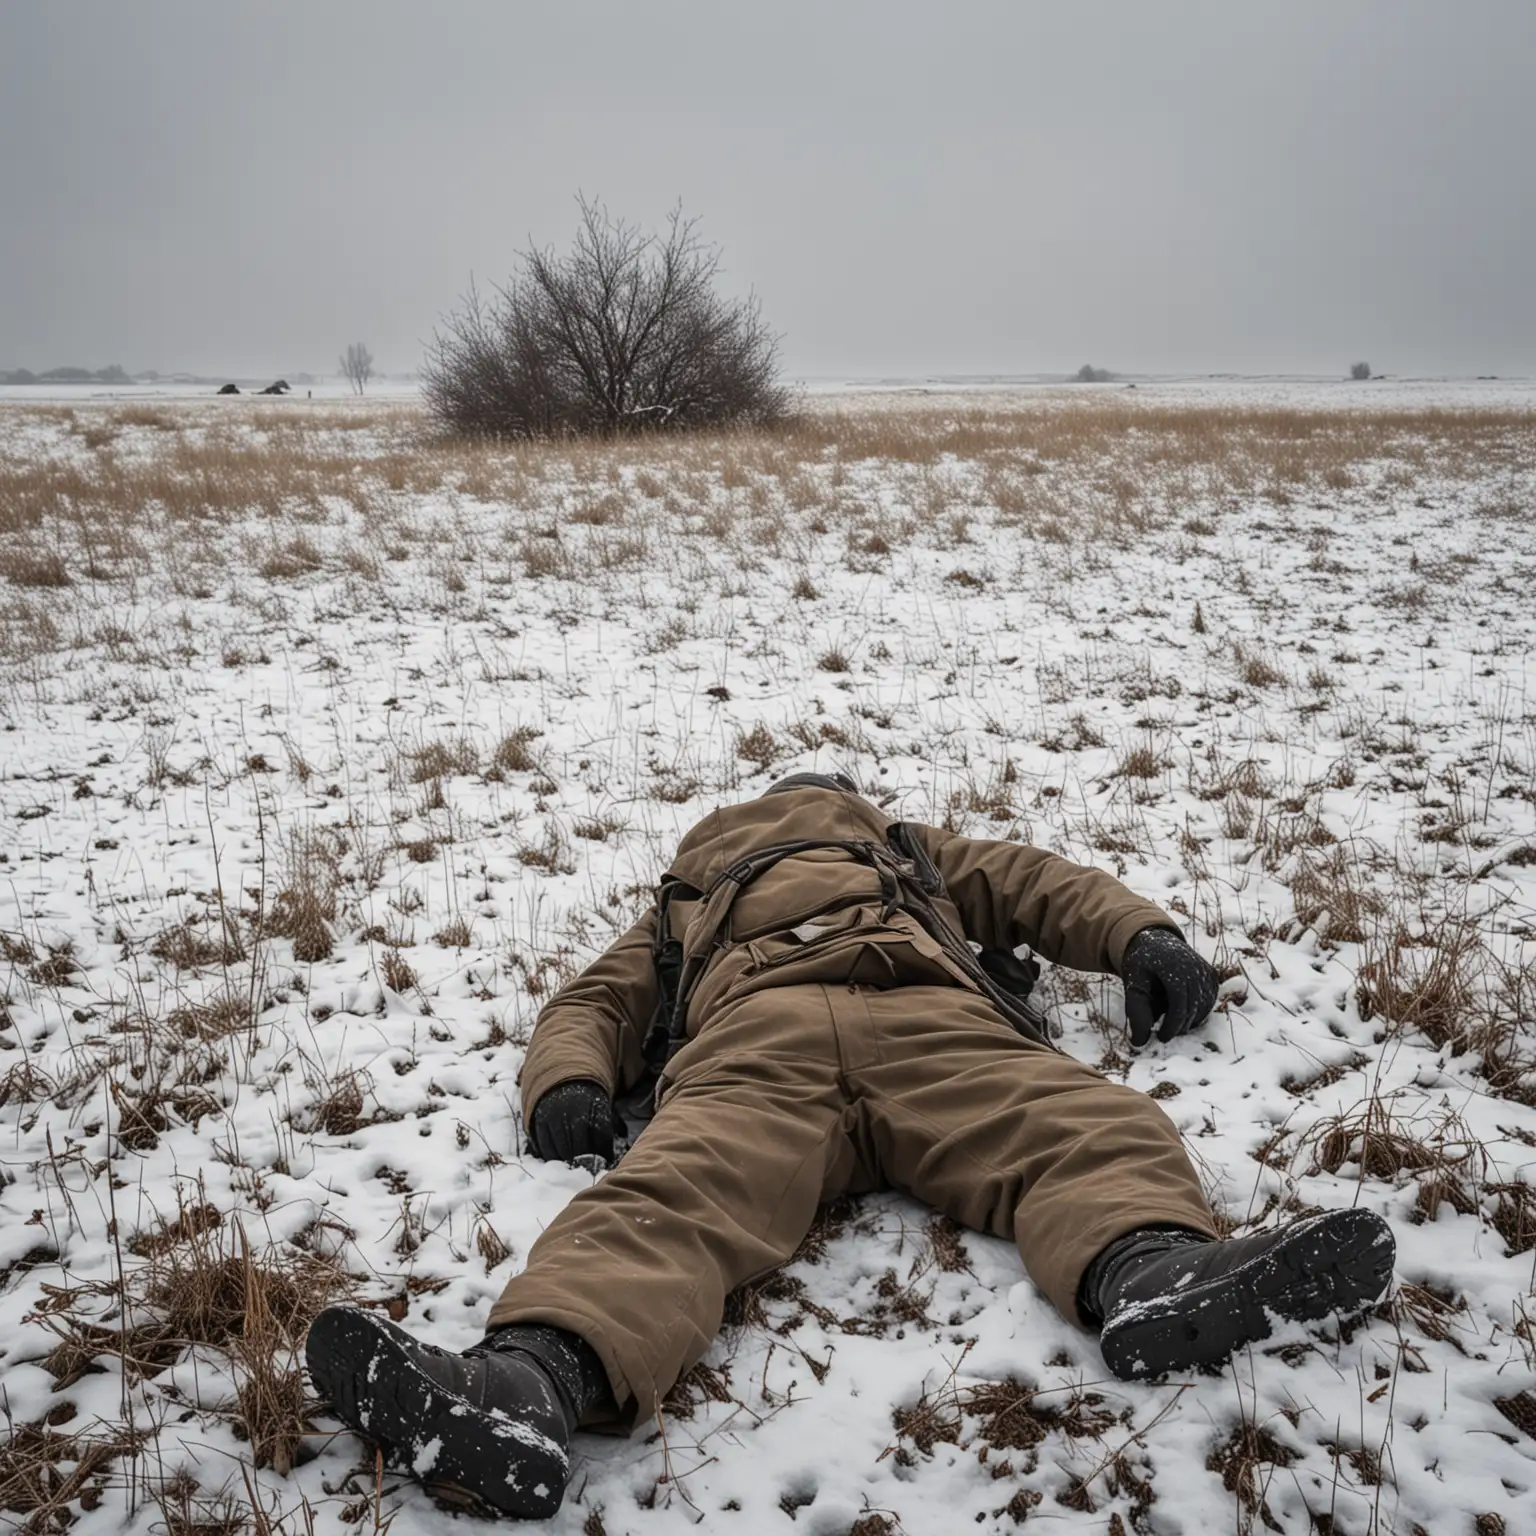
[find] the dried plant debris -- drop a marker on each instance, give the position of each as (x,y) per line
(1247,1462)
(50,1475)
(1009,1415)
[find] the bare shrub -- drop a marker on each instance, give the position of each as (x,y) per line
(626,333)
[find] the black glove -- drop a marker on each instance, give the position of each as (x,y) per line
(573,1120)
(1165,978)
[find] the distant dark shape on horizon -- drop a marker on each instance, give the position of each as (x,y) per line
(278,387)
(229,389)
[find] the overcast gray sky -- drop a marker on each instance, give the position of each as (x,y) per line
(910,186)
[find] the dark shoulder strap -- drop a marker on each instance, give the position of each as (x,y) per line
(667,955)
(905,841)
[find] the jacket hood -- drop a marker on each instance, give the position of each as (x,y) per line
(837,781)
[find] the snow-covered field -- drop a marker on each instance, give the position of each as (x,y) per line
(328,750)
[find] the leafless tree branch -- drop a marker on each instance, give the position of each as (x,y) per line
(625,332)
(356,365)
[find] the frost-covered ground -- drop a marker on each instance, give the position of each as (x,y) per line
(328,750)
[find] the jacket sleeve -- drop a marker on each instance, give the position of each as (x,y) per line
(594,1026)
(1010,894)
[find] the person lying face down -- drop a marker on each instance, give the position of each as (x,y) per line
(825,1002)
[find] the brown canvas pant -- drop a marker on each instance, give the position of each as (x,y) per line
(795,1095)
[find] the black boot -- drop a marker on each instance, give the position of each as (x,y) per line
(490,1427)
(1173,1300)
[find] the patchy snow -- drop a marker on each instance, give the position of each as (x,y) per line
(426,1456)
(306,807)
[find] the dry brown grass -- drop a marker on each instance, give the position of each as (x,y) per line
(34,568)
(515,753)
(1054,459)
(1004,1424)
(46,1469)
(1142,761)
(210,1288)
(1423,981)
(201,1287)
(339,1107)
(598,829)
(305,907)
(1246,1462)
(1386,1142)
(442,759)
(759,746)
(456,933)
(193,945)
(185,1510)
(549,852)
(293,557)
(398,973)
(1284,443)
(1332,896)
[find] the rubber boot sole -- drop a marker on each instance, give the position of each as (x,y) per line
(462,1453)
(1336,1262)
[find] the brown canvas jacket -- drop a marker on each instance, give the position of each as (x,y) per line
(819,917)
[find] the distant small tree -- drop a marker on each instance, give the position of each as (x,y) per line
(1359,370)
(624,333)
(1088,374)
(357,365)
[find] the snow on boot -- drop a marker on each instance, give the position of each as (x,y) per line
(1172,1300)
(489,1428)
